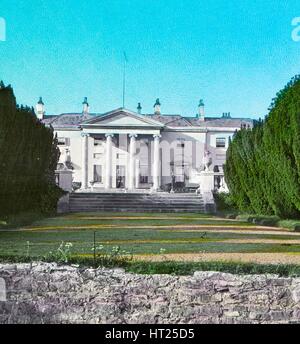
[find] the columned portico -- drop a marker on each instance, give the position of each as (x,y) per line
(132,161)
(123,152)
(156,163)
(84,175)
(108,159)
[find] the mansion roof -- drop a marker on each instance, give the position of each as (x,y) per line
(76,120)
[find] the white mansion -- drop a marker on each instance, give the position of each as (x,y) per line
(129,150)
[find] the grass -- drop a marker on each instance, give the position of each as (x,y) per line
(181,268)
(174,268)
(138,241)
(146,234)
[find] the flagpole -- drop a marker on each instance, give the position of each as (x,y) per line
(124,79)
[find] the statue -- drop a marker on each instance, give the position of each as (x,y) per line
(207,160)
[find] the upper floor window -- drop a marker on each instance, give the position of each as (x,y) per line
(63,141)
(98,142)
(120,156)
(180,143)
(221,142)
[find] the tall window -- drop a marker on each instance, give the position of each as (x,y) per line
(220,142)
(97,173)
(144,179)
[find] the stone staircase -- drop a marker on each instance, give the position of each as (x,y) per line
(136,202)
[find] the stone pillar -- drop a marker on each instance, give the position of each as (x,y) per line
(84,164)
(156,163)
(65,179)
(108,170)
(137,174)
(132,152)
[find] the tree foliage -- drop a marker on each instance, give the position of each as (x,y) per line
(28,159)
(263,164)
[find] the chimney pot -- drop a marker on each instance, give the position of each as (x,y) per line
(201,110)
(157,106)
(139,108)
(40,109)
(86,106)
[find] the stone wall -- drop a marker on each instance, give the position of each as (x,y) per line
(47,293)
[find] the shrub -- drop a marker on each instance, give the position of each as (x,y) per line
(259,219)
(224,201)
(292,225)
(20,219)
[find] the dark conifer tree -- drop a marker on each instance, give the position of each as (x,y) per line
(263,164)
(28,159)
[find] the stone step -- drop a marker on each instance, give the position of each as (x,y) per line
(133,210)
(132,202)
(162,200)
(137,200)
(90,194)
(165,201)
(114,204)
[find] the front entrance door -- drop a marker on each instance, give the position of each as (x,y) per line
(120,175)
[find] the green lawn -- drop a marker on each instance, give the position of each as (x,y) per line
(139,234)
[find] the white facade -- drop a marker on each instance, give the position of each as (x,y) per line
(126,150)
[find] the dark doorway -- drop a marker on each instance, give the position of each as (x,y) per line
(120,175)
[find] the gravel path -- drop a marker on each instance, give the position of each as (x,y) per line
(262,241)
(260,258)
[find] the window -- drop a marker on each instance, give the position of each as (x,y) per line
(180,143)
(98,142)
(97,174)
(63,141)
(144,179)
(220,142)
(120,156)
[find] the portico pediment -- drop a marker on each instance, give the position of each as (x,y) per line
(122,118)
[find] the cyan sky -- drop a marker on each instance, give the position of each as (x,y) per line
(235,54)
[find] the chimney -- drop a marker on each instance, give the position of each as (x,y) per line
(226,115)
(157,107)
(40,109)
(201,112)
(139,108)
(86,107)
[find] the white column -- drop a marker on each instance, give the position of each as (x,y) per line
(108,167)
(132,152)
(156,163)
(84,164)
(137,174)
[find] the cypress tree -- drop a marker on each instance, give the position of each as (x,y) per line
(28,159)
(263,164)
